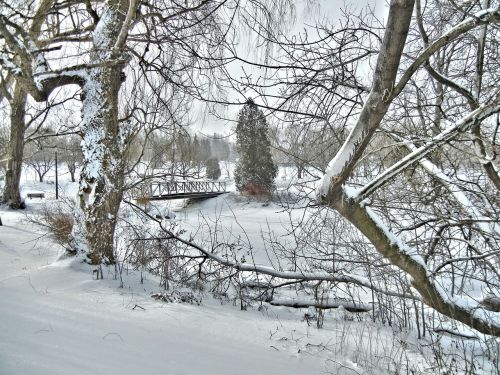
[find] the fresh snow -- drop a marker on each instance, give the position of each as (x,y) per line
(396,240)
(57,320)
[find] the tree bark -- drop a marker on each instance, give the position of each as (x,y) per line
(332,193)
(377,103)
(11,193)
(101,183)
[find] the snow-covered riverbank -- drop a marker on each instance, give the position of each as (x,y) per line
(57,320)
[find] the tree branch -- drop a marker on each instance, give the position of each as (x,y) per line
(408,260)
(480,18)
(479,114)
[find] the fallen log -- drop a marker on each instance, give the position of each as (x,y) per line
(327,304)
(453,333)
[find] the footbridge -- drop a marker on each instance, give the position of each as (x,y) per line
(179,190)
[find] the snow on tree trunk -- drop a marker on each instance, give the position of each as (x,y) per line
(101,183)
(335,194)
(377,103)
(393,248)
(11,194)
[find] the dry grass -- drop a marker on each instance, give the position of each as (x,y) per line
(142,201)
(58,219)
(256,191)
(60,226)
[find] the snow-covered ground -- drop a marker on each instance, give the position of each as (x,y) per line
(55,318)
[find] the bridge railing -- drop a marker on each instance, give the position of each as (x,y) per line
(170,188)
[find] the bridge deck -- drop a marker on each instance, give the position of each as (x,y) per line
(179,190)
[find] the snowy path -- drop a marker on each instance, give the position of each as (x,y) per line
(54,319)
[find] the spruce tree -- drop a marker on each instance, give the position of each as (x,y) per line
(255,170)
(213,171)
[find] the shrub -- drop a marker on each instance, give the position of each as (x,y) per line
(58,220)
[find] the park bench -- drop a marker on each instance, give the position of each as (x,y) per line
(35,195)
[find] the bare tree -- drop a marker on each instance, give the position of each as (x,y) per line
(416,174)
(71,154)
(102,34)
(13,91)
(359,205)
(41,157)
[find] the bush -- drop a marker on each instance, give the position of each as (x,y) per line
(58,220)
(61,226)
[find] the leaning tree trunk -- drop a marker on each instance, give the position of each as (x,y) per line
(477,315)
(11,193)
(101,183)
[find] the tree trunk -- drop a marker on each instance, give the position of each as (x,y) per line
(101,183)
(72,171)
(299,172)
(407,259)
(377,103)
(11,193)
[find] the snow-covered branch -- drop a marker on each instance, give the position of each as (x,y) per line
(376,105)
(400,254)
(417,154)
(381,96)
(290,275)
(302,276)
(326,304)
(27,63)
(482,17)
(485,224)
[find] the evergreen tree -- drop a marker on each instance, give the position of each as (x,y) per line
(255,170)
(205,151)
(213,169)
(220,147)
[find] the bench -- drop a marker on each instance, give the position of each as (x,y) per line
(35,195)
